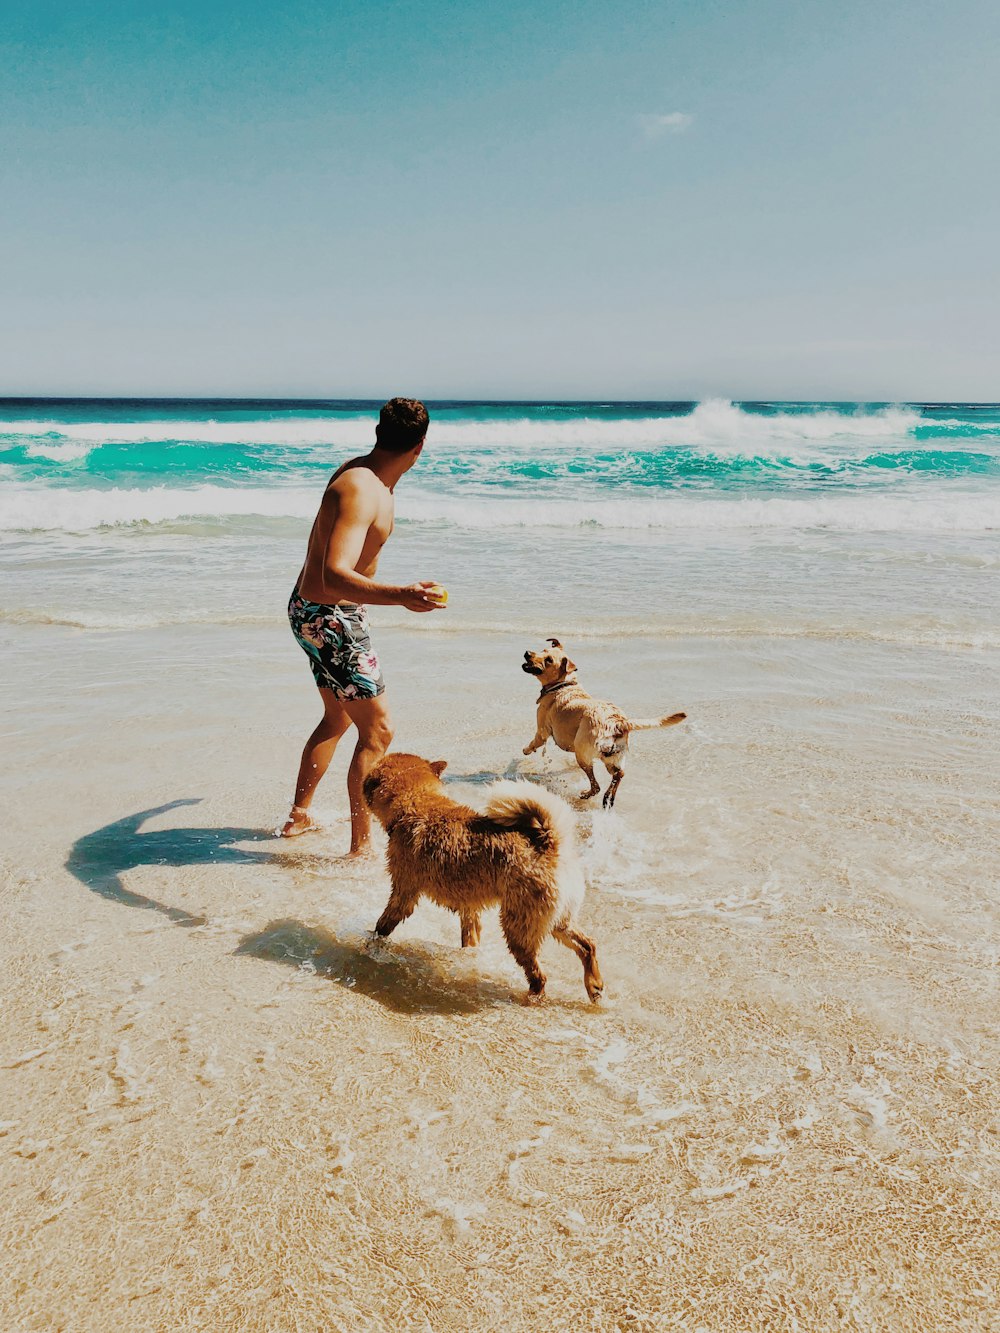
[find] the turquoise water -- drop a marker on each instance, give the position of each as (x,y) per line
(821,519)
(585,461)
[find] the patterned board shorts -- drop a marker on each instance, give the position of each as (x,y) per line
(337,641)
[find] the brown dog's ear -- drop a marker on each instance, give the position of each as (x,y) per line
(439,765)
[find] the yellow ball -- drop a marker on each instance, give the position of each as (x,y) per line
(439,594)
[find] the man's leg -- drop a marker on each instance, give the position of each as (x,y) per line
(316,758)
(371,717)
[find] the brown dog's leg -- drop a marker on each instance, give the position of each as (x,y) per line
(397,909)
(612,791)
(523,939)
(586,950)
(595,786)
(470,930)
(535,975)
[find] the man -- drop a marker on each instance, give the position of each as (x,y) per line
(329,618)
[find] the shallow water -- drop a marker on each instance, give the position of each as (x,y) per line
(225,1107)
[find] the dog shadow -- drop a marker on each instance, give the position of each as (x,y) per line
(99,859)
(550,774)
(519,768)
(482,778)
(404,977)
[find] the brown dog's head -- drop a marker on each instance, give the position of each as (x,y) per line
(551,665)
(399,777)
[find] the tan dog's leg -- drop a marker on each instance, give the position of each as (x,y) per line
(586,950)
(595,786)
(613,785)
(400,905)
(536,744)
(470,929)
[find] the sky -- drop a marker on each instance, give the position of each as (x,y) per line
(483,199)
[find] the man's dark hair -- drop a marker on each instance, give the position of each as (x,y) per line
(402,424)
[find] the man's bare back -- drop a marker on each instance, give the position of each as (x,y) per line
(328,611)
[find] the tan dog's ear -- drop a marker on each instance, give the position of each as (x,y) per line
(439,765)
(570,666)
(565,667)
(554,642)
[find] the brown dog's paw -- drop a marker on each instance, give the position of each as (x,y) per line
(595,992)
(534,998)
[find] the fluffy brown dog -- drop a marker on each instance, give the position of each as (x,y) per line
(519,854)
(588,728)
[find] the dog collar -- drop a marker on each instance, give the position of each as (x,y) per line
(551,689)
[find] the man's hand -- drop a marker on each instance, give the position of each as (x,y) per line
(418,597)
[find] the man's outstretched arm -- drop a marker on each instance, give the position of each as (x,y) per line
(357,510)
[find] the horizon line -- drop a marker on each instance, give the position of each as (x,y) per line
(13,399)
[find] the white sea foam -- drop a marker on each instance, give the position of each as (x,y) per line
(348,431)
(113,620)
(715,425)
(67,452)
(845,513)
(42,508)
(612,853)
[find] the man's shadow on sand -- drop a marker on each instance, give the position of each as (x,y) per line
(99,859)
(407,978)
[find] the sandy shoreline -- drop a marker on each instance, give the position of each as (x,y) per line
(223,1110)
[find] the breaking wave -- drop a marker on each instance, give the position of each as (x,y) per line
(713,424)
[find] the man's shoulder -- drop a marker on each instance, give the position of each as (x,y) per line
(355,482)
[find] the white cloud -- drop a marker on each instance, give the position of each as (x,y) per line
(655,127)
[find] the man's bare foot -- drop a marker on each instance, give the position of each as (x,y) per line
(363,852)
(298,822)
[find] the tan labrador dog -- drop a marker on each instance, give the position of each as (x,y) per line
(518,854)
(586,727)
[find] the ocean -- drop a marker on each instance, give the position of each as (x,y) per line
(795,519)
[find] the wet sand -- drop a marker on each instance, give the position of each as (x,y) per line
(224,1108)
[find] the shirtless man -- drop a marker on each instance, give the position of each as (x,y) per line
(328,612)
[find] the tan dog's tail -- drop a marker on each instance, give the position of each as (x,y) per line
(651,723)
(544,818)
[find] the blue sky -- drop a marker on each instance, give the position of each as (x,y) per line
(581,199)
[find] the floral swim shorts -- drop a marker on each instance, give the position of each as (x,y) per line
(337,641)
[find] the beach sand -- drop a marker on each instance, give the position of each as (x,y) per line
(225,1108)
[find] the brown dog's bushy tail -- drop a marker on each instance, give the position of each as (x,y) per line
(651,723)
(542,816)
